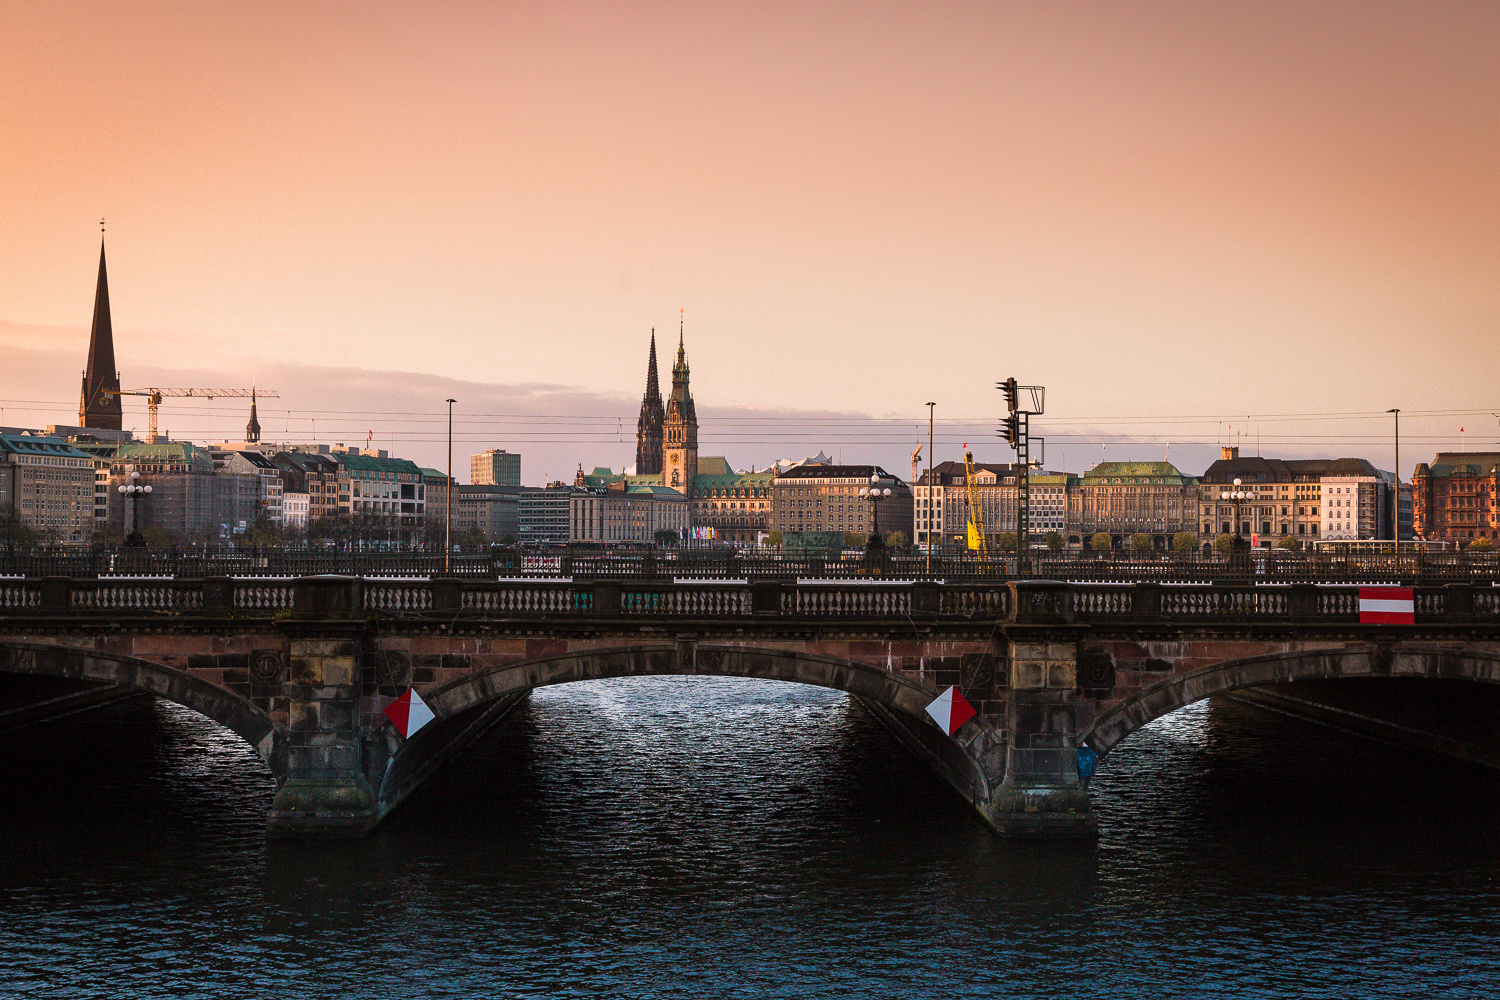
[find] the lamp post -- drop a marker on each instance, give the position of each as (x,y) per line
(1396,494)
(876,493)
(134,491)
(1237,496)
(930,484)
(448,506)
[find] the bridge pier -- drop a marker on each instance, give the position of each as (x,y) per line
(1041,793)
(326,790)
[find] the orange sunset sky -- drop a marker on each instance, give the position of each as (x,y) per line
(1176,216)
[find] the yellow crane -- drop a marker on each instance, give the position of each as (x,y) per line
(155,396)
(977,538)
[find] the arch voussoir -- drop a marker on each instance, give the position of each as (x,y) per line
(873,683)
(1172,693)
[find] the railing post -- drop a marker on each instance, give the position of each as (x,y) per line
(447,593)
(218,596)
(926,598)
(1041,601)
(1145,600)
(765,597)
(57,595)
(1302,600)
(1458,602)
(328,597)
(606,597)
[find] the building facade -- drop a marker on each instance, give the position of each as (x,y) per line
(624,513)
(546,514)
(493,511)
(1122,499)
(496,467)
(826,498)
(1456,497)
(46,489)
(1288,500)
(317,476)
(184,501)
(386,493)
(736,505)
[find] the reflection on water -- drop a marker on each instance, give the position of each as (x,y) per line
(675,837)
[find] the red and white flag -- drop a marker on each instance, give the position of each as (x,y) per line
(409,712)
(951,711)
(1387,606)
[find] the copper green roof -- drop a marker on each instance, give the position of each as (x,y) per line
(1137,473)
(49,447)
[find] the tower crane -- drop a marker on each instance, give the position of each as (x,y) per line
(978,540)
(155,396)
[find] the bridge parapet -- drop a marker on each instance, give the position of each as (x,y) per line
(1050,601)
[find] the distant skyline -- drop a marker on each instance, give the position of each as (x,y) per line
(1158,210)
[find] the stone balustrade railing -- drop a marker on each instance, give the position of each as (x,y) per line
(1033,600)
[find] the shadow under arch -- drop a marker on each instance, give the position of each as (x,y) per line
(228,709)
(875,684)
(1401,661)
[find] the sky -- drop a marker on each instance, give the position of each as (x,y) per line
(1193,223)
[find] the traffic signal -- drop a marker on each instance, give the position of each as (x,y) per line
(1010,430)
(1012,394)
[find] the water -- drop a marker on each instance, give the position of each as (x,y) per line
(681,837)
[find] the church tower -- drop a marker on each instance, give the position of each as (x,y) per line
(648,429)
(679,464)
(95,408)
(252,429)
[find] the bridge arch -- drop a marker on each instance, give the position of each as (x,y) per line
(230,710)
(893,691)
(1351,663)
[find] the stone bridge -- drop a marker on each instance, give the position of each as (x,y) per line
(1059,673)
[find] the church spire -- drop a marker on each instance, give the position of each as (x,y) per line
(252,429)
(648,428)
(95,407)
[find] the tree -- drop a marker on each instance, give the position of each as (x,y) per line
(666,538)
(507,539)
(14,531)
(855,539)
(156,538)
(1006,542)
(1480,545)
(1184,542)
(1054,541)
(1288,542)
(895,539)
(773,537)
(1224,544)
(1101,542)
(1140,542)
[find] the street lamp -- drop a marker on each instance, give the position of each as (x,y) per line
(1396,498)
(1237,496)
(448,506)
(133,491)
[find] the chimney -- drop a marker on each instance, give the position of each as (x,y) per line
(1229,454)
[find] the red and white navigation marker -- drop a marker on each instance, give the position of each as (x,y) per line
(1387,606)
(409,712)
(951,711)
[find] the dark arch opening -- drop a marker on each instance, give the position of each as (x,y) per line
(228,709)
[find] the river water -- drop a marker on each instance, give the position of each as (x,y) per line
(697,837)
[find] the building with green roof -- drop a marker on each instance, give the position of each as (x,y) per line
(46,489)
(1121,499)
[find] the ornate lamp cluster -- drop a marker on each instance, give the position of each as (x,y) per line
(134,491)
(1236,496)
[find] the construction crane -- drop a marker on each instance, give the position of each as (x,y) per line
(977,538)
(155,396)
(915,465)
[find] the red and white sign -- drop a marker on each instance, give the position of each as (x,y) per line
(1387,606)
(409,712)
(951,711)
